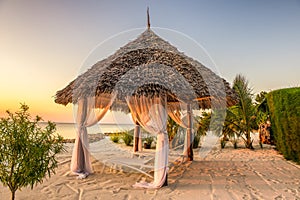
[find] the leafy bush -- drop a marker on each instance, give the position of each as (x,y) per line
(284,111)
(148,141)
(27,151)
(115,137)
(127,138)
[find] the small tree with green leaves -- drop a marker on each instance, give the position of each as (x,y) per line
(27,151)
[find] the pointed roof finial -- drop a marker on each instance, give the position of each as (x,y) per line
(148,18)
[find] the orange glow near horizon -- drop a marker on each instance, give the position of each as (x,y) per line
(59,113)
(48,112)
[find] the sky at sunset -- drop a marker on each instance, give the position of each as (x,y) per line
(44,44)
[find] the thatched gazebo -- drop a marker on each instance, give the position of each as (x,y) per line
(151,79)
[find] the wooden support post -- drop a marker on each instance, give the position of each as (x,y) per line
(140,145)
(136,138)
(189,132)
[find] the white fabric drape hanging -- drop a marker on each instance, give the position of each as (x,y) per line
(176,112)
(151,114)
(87,115)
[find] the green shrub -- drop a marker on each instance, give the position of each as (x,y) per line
(127,138)
(115,137)
(284,110)
(148,141)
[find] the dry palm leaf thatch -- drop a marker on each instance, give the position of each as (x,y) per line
(149,66)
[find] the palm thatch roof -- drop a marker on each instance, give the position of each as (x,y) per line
(149,66)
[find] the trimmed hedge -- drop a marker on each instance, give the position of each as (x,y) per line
(284,107)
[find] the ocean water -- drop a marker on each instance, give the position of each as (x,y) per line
(68,130)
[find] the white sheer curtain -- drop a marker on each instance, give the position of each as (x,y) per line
(151,114)
(178,112)
(87,115)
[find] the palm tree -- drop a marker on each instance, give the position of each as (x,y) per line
(240,119)
(231,128)
(227,127)
(202,123)
(242,115)
(201,126)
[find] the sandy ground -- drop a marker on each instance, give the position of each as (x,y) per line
(221,174)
